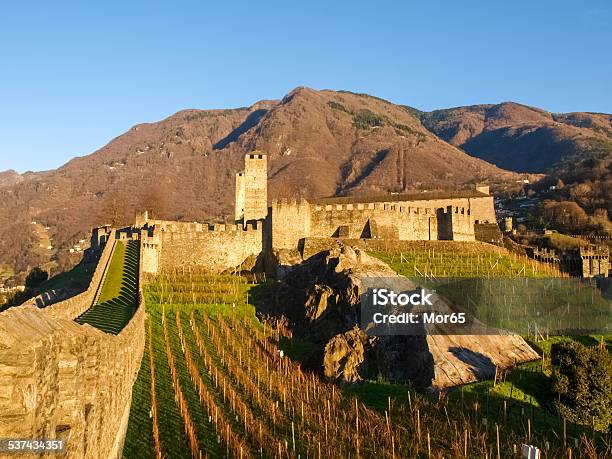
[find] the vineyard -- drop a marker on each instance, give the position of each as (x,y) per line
(508,291)
(214,383)
(451,263)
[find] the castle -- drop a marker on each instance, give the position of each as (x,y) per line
(259,229)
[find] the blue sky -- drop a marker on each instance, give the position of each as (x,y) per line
(73,75)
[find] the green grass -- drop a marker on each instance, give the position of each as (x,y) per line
(119,295)
(298,349)
(420,263)
(139,443)
(376,394)
(506,292)
(171,427)
(523,396)
(476,407)
(528,388)
(544,346)
(173,439)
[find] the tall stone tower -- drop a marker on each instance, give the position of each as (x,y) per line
(252,188)
(239,209)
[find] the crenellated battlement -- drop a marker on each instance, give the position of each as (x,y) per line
(457,210)
(197,227)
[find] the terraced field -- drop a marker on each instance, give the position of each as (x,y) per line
(447,263)
(507,291)
(118,298)
(213,383)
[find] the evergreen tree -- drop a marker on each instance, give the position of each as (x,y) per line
(582,384)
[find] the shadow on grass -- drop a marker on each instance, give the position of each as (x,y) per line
(113,315)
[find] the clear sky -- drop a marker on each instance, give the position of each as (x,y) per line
(73,75)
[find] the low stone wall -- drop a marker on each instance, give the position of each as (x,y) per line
(59,379)
(76,305)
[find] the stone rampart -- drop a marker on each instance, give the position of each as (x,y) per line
(150,250)
(76,305)
(293,221)
(62,380)
(455,224)
(290,223)
(374,220)
(216,248)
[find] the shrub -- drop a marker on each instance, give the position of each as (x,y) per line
(36,277)
(365,119)
(581,382)
(338,106)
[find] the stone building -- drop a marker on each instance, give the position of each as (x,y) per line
(259,229)
(588,261)
(99,236)
(593,261)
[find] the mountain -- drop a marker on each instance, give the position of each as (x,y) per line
(9,177)
(320,143)
(573,149)
(521,138)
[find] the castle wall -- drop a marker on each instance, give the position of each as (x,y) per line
(481,208)
(65,380)
(59,379)
(455,224)
(150,250)
(76,305)
(213,247)
(595,261)
(488,232)
(290,223)
(373,220)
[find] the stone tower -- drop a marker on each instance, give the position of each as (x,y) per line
(239,209)
(252,188)
(508,224)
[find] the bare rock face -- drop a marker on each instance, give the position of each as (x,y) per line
(281,261)
(344,354)
(321,299)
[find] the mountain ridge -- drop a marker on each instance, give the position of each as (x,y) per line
(320,143)
(519,137)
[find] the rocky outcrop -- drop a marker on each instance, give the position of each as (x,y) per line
(321,298)
(344,354)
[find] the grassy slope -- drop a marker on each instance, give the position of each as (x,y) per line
(119,296)
(173,441)
(478,403)
(526,389)
(417,263)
